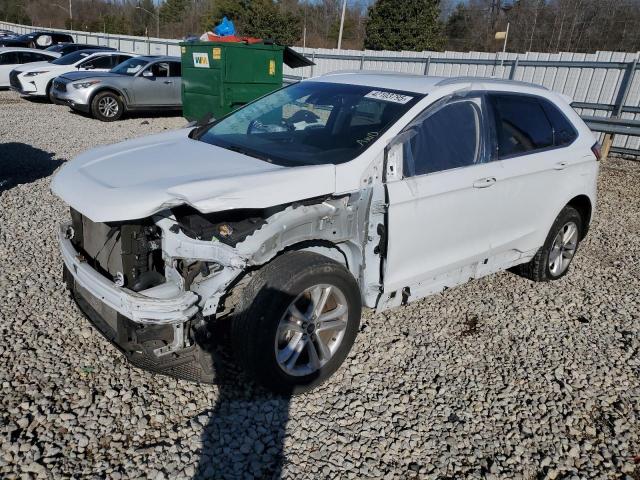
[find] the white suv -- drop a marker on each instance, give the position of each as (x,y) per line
(283,219)
(36,79)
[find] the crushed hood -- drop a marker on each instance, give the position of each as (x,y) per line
(137,178)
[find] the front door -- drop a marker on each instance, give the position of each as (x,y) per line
(154,86)
(440,212)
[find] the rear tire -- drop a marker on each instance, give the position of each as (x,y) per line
(107,107)
(283,338)
(552,261)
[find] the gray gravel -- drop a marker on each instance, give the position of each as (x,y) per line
(500,378)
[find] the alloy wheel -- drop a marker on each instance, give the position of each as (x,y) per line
(563,249)
(108,107)
(311,330)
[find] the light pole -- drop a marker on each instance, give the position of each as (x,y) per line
(344,7)
(157,15)
(69,11)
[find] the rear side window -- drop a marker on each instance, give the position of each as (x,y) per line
(175,69)
(446,139)
(9,58)
(105,62)
(563,131)
(522,126)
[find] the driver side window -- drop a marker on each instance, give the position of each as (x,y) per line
(160,69)
(450,137)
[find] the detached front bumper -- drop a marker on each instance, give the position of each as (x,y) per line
(164,304)
(154,334)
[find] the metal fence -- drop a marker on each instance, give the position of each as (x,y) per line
(605,86)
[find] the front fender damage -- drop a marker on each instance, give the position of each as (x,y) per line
(339,222)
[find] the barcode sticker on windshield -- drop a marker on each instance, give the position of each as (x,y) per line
(388,96)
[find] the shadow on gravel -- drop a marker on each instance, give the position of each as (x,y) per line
(245,432)
(22,163)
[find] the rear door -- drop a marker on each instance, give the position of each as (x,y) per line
(440,211)
(8,61)
(175,76)
(531,136)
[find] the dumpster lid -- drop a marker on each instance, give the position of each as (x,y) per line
(294,59)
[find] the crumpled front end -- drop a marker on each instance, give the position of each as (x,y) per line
(116,275)
(156,287)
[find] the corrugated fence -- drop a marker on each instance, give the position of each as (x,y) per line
(605,86)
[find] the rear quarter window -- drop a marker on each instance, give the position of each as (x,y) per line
(564,133)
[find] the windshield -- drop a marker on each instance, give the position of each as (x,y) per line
(73,57)
(130,67)
(311,123)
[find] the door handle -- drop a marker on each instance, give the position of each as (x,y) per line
(167,82)
(484,182)
(561,165)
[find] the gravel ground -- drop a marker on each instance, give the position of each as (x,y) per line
(500,378)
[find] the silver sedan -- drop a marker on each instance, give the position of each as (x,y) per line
(140,83)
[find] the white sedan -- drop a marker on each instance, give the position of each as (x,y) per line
(36,79)
(14,57)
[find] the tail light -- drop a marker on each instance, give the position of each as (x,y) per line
(596,148)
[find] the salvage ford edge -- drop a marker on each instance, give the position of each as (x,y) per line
(282,220)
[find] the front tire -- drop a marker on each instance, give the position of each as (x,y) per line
(552,261)
(107,107)
(298,319)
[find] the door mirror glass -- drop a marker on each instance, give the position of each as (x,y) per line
(44,40)
(147,73)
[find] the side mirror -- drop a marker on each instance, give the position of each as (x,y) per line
(147,73)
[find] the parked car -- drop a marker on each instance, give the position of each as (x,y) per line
(36,80)
(40,40)
(65,48)
(141,83)
(13,57)
(286,217)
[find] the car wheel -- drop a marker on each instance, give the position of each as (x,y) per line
(107,106)
(552,261)
(49,92)
(298,318)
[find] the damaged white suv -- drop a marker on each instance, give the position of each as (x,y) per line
(285,218)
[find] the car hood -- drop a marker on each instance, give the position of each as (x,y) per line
(82,74)
(137,178)
(30,67)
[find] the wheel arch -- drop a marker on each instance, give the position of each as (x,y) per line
(114,90)
(582,203)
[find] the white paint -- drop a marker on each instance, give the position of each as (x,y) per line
(137,178)
(5,69)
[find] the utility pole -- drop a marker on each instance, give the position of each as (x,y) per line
(344,8)
(157,15)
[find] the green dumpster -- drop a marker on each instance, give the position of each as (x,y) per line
(218,77)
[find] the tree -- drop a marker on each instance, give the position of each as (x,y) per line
(404,25)
(172,11)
